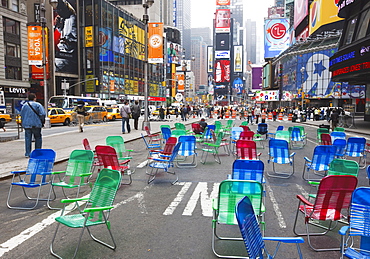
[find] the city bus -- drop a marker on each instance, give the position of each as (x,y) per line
(2,103)
(69,102)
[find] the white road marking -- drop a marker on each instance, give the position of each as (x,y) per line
(275,205)
(30,232)
(304,193)
(142,164)
(171,208)
(205,199)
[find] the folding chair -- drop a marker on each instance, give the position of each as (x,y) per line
(358,226)
(262,128)
(321,159)
(163,163)
(230,192)
(298,140)
(153,138)
(167,149)
(150,147)
(107,155)
(244,123)
(96,164)
(319,131)
(245,128)
(75,176)
(178,133)
(279,154)
(284,135)
(246,135)
(325,139)
(253,239)
(337,135)
(37,175)
(213,148)
(235,135)
(196,128)
(340,129)
(187,149)
(280,128)
(118,143)
(96,211)
(356,148)
(248,170)
(333,196)
(218,126)
(340,145)
(166,133)
(368,173)
(247,149)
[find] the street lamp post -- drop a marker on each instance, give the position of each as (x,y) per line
(303,69)
(54,4)
(146,122)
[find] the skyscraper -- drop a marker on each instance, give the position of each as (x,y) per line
(182,20)
(251,40)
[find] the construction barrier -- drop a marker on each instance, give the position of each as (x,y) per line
(263,116)
(270,116)
(290,116)
(233,114)
(280,118)
(227,114)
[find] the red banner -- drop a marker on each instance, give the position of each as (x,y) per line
(156,99)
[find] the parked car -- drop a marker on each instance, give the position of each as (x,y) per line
(5,117)
(113,114)
(56,115)
(96,114)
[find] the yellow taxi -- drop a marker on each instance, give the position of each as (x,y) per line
(96,113)
(113,114)
(5,117)
(56,115)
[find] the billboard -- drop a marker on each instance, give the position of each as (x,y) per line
(322,12)
(180,83)
(300,11)
(173,53)
(276,36)
(210,59)
(155,42)
(222,2)
(222,41)
(222,71)
(256,78)
(238,58)
(65,37)
(222,20)
(267,96)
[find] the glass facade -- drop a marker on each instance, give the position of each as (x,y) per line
(113,51)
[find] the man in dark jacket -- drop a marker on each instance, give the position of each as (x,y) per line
(135,110)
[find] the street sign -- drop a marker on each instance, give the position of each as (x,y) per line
(179,97)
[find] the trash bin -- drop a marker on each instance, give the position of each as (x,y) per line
(324,126)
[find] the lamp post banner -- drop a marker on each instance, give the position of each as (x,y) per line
(155,42)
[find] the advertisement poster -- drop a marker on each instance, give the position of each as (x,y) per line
(222,41)
(210,59)
(300,11)
(34,45)
(222,20)
(222,71)
(155,43)
(322,13)
(267,96)
(276,36)
(238,59)
(65,37)
(173,53)
(222,2)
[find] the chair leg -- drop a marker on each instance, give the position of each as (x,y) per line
(151,175)
(113,247)
(201,158)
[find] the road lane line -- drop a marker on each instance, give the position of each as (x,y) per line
(171,208)
(205,199)
(303,192)
(142,164)
(275,205)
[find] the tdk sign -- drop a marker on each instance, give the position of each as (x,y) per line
(222,54)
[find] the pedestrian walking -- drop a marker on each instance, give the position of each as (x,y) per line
(2,125)
(135,109)
(334,117)
(81,111)
(33,118)
(168,112)
(125,112)
(257,113)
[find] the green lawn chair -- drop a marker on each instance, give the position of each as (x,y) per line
(319,132)
(178,132)
(75,176)
(230,192)
(180,126)
(339,129)
(212,148)
(95,212)
(244,123)
(118,143)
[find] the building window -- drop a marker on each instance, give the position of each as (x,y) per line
(11,26)
(350,31)
(15,5)
(363,25)
(13,73)
(4,3)
(12,50)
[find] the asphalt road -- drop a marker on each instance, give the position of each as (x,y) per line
(160,220)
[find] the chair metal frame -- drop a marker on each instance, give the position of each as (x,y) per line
(37,175)
(150,147)
(333,196)
(164,163)
(95,212)
(96,164)
(252,237)
(297,139)
(153,138)
(213,148)
(76,175)
(320,162)
(187,149)
(279,154)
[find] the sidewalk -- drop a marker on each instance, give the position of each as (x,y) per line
(63,140)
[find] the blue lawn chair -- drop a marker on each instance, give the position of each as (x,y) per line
(368,173)
(298,140)
(337,135)
(250,231)
(248,170)
(356,148)
(340,144)
(262,128)
(358,226)
(234,136)
(187,149)
(322,156)
(279,154)
(166,134)
(37,175)
(152,148)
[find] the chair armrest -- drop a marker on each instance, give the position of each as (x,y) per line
(260,153)
(313,183)
(98,209)
(307,159)
(85,174)
(343,230)
(215,204)
(58,172)
(304,200)
(44,173)
(164,155)
(292,154)
(160,160)
(296,240)
(73,200)
(125,162)
(18,172)
(211,144)
(129,150)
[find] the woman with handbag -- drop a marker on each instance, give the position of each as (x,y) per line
(80,109)
(125,112)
